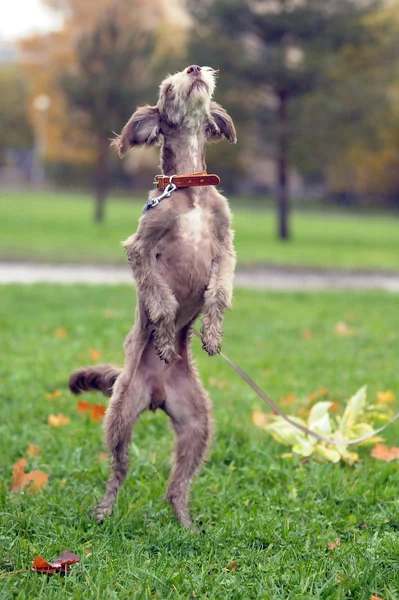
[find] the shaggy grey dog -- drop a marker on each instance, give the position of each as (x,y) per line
(183,261)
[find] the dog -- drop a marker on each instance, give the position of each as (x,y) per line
(183,260)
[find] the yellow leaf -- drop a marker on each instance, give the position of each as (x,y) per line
(259,418)
(319,393)
(342,329)
(33,450)
(94,354)
(58,420)
(60,334)
(385,397)
(54,395)
(288,399)
(307,334)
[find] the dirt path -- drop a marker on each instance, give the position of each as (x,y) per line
(267,278)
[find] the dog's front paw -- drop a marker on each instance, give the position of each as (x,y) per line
(211,337)
(165,342)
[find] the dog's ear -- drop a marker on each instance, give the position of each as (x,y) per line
(143,129)
(219,125)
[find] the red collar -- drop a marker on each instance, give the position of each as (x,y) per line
(190,180)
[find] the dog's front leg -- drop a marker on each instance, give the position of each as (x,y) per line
(218,295)
(155,295)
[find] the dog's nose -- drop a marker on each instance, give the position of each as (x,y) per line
(194,70)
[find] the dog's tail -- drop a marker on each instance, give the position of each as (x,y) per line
(100,377)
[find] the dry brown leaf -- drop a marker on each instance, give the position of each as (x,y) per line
(60,565)
(319,393)
(259,418)
(374,597)
(288,399)
(59,420)
(333,545)
(20,480)
(94,354)
(307,334)
(382,452)
(60,334)
(54,395)
(343,329)
(385,397)
(33,450)
(232,566)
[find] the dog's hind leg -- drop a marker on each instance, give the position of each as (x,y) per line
(129,400)
(190,410)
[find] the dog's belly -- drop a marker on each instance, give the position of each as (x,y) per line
(185,260)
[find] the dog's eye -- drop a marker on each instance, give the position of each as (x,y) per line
(171,89)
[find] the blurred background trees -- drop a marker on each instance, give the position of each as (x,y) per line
(312,86)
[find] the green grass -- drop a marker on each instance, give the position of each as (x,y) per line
(274,517)
(58,228)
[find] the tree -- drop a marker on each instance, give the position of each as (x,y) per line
(15,129)
(286,47)
(109,79)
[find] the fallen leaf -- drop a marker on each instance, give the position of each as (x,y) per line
(375,598)
(18,474)
(232,566)
(288,399)
(58,420)
(60,565)
(35,479)
(83,407)
(307,334)
(216,383)
(33,450)
(382,452)
(259,418)
(385,397)
(54,395)
(319,393)
(94,354)
(342,329)
(98,412)
(102,456)
(333,545)
(60,334)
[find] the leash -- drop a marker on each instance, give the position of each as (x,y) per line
(279,412)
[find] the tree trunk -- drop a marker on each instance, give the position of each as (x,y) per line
(283,201)
(101,184)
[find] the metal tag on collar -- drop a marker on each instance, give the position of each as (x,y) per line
(170,188)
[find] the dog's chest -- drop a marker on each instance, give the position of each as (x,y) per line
(195,226)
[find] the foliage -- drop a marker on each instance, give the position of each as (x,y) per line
(356,421)
(15,129)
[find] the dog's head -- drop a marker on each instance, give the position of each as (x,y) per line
(185,102)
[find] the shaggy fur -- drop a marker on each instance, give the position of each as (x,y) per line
(183,261)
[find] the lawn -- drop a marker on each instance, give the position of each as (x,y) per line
(267,520)
(58,228)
